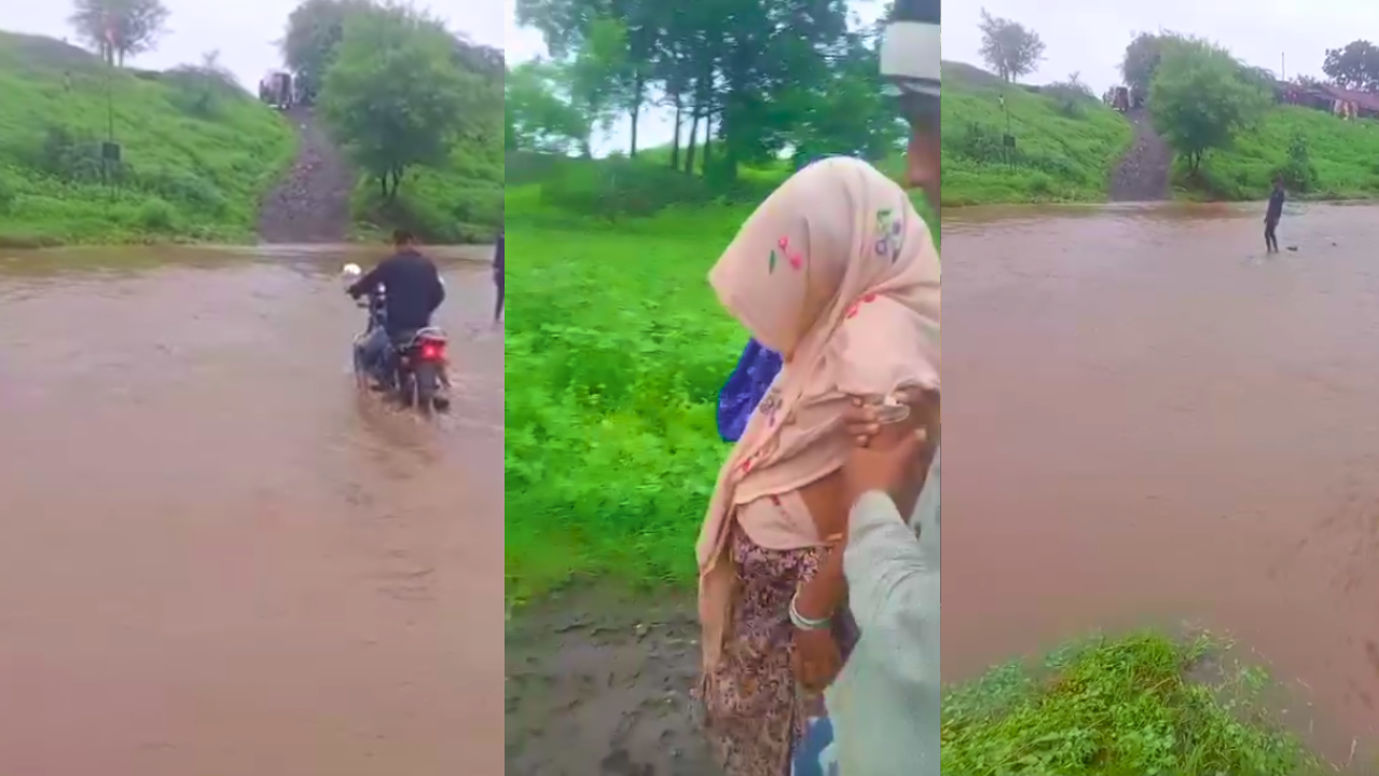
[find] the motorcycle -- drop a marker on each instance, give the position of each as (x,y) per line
(414,367)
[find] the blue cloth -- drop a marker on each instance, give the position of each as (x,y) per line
(815,755)
(738,399)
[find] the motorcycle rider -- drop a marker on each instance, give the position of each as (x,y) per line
(412,292)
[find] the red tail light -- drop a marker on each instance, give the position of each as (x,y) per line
(432,351)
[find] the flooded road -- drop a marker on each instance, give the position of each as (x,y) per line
(1150,421)
(217,558)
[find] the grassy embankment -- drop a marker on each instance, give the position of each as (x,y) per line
(197,154)
(1344,155)
(1065,147)
(1140,704)
(459,201)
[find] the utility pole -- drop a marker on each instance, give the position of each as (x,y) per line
(1283,65)
(110,151)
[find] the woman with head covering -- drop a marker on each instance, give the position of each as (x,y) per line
(837,273)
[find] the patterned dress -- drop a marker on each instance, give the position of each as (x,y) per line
(755,711)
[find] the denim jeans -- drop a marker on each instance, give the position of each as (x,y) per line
(371,351)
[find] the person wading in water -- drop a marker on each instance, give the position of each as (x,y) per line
(498,279)
(1272,215)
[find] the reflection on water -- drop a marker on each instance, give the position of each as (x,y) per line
(1150,420)
(218,557)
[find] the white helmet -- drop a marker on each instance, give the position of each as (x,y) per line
(910,48)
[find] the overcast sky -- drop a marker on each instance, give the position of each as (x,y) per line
(657,126)
(245,31)
(1089,36)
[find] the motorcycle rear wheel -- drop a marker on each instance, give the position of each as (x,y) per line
(406,389)
(427,381)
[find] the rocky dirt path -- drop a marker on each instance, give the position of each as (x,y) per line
(600,684)
(312,203)
(1142,174)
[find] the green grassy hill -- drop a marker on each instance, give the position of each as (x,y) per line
(460,201)
(1344,155)
(1066,146)
(198,153)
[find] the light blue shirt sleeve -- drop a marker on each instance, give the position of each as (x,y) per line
(885,702)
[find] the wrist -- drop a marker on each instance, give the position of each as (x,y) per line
(805,618)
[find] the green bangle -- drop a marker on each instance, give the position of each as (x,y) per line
(806,623)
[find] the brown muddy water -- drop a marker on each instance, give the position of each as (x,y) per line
(218,558)
(1150,421)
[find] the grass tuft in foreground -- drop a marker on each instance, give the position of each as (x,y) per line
(1130,706)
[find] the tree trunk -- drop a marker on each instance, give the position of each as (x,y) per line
(397,181)
(675,138)
(690,144)
(635,111)
(708,141)
(383,181)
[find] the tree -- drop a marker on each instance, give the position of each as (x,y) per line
(394,95)
(535,115)
(119,28)
(1354,67)
(1201,97)
(569,25)
(1009,48)
(847,112)
(314,30)
(737,68)
(597,76)
(1142,59)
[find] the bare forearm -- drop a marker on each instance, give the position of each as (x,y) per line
(823,595)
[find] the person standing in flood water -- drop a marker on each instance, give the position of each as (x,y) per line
(498,279)
(1272,216)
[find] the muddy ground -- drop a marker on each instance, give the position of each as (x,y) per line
(311,203)
(600,683)
(1142,174)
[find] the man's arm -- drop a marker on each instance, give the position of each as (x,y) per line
(883,564)
(371,279)
(437,293)
(883,561)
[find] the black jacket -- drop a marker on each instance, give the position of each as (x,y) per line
(1275,211)
(413,287)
